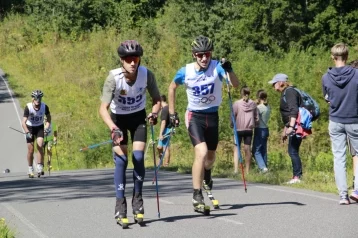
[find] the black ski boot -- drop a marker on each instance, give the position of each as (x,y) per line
(138,208)
(198,202)
(207,187)
(120,213)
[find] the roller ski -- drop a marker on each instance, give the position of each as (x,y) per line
(31,172)
(207,188)
(121,213)
(198,203)
(138,208)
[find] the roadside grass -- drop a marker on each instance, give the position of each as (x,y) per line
(72,73)
(5,231)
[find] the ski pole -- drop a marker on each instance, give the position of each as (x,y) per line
(95,145)
(155,168)
(58,164)
(235,131)
(161,159)
(17,130)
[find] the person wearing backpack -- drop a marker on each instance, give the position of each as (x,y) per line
(290,102)
(340,89)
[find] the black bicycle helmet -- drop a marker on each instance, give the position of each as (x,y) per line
(130,48)
(202,44)
(37,94)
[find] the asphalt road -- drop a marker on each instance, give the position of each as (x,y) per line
(81,203)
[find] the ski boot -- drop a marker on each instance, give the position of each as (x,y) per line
(207,187)
(40,171)
(120,213)
(198,203)
(31,172)
(138,208)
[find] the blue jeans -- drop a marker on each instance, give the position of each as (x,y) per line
(294,144)
(259,147)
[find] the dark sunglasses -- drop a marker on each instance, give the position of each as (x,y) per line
(201,54)
(130,59)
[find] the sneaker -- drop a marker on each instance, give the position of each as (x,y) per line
(121,208)
(208,186)
(264,170)
(344,200)
(197,197)
(354,196)
(294,180)
(137,204)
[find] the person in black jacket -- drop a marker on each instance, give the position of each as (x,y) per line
(289,107)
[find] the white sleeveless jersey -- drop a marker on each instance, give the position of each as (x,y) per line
(36,118)
(129,99)
(204,90)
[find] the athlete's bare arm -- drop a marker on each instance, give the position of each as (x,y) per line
(171,96)
(23,124)
(103,111)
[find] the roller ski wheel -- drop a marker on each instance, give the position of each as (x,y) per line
(31,175)
(123,222)
(203,209)
(139,218)
(39,175)
(207,188)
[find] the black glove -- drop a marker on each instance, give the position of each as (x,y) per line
(28,135)
(116,134)
(174,120)
(226,65)
(153,118)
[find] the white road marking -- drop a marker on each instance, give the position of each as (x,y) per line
(12,98)
(304,194)
(25,221)
(230,221)
(166,202)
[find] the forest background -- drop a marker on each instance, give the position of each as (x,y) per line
(66,48)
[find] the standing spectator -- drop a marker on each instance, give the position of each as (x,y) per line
(261,132)
(163,142)
(49,141)
(290,102)
(246,118)
(340,86)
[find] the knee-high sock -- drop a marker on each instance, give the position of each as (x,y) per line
(120,174)
(207,175)
(139,170)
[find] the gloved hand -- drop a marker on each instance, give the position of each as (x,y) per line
(226,65)
(117,136)
(153,118)
(28,135)
(47,131)
(174,120)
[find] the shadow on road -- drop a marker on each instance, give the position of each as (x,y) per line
(93,184)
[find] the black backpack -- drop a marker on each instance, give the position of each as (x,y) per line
(307,102)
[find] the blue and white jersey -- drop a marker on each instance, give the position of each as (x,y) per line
(129,99)
(203,88)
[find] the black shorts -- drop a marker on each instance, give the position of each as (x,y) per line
(36,132)
(245,136)
(134,123)
(204,127)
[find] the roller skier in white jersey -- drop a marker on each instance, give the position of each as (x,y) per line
(124,92)
(203,80)
(36,130)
